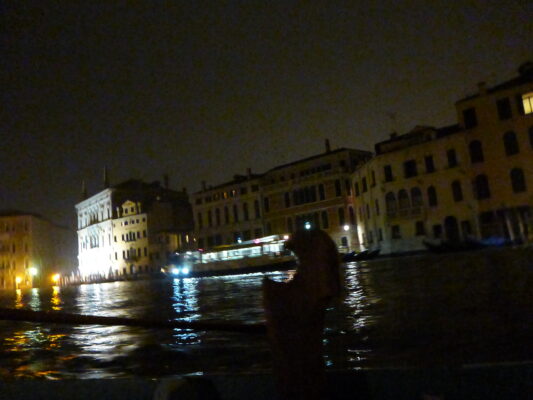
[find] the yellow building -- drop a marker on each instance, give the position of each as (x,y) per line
(34,251)
(473,179)
(229,212)
(314,193)
(120,228)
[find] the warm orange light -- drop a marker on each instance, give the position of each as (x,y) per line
(55,278)
(18,279)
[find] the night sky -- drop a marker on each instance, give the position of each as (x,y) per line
(203,90)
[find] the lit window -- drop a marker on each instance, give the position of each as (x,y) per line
(527,103)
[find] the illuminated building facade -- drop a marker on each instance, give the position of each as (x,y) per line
(473,179)
(228,213)
(120,229)
(313,193)
(34,251)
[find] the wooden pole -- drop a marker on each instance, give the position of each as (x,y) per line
(58,317)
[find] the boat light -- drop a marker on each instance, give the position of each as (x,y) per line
(175,271)
(285,237)
(185,271)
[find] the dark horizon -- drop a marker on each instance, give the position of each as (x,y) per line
(204,91)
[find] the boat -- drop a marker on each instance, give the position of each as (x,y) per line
(257,255)
(361,256)
(469,244)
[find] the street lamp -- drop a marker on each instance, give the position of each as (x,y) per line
(33,271)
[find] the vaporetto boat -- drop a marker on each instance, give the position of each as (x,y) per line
(258,255)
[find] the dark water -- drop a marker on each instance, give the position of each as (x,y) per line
(412,311)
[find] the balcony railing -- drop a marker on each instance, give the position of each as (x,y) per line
(406,213)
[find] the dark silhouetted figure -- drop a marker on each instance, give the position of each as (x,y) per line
(295,312)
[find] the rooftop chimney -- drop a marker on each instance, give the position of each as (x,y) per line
(83,190)
(106,178)
(328,148)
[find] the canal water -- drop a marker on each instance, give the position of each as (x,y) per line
(413,311)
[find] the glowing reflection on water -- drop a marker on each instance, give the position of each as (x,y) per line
(185,303)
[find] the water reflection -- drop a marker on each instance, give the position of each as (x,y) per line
(397,312)
(185,303)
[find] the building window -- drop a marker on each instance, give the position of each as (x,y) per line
(416,197)
(481,187)
(372,178)
(387,172)
(504,108)
(376,205)
(390,203)
(518,180)
(257,209)
(420,229)
(321,194)
(395,232)
(341,217)
(217,216)
(437,231)
(531,136)
(380,235)
(432,197)
(457,191)
(226,215)
(325,220)
(466,228)
(409,168)
(403,200)
(235,213)
(209,219)
(527,103)
(337,188)
(287,200)
(352,215)
(245,211)
(470,117)
(364,185)
(430,165)
(348,187)
(356,186)
(266,204)
(476,151)
(510,143)
(452,158)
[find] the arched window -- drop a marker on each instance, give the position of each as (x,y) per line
(476,151)
(416,197)
(510,143)
(390,203)
(403,199)
(457,191)
(432,196)
(481,187)
(518,180)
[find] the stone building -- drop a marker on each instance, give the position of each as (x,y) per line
(229,212)
(130,228)
(34,251)
(473,179)
(312,193)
